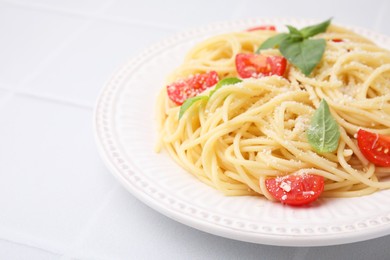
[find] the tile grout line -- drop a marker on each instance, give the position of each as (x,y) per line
(11,93)
(55,99)
(30,246)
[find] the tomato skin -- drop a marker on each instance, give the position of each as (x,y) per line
(296,189)
(265,27)
(257,65)
(375,147)
(337,40)
(278,65)
(191,86)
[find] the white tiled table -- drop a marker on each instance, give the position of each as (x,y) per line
(57,199)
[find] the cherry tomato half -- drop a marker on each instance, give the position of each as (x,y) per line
(257,65)
(189,87)
(266,27)
(296,189)
(375,147)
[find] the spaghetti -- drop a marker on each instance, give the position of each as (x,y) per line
(256,129)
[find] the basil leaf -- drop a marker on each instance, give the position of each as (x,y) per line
(295,34)
(304,54)
(323,134)
(272,42)
(310,31)
(223,82)
(189,102)
(297,48)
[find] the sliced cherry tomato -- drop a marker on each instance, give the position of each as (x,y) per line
(296,189)
(337,40)
(375,147)
(262,28)
(257,65)
(189,87)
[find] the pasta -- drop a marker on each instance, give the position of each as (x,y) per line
(256,129)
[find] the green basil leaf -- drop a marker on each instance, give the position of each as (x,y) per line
(304,54)
(310,31)
(323,134)
(295,34)
(272,42)
(189,102)
(223,82)
(297,48)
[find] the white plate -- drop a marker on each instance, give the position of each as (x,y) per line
(125,131)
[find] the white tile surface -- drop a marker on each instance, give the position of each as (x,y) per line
(173,13)
(31,37)
(178,241)
(361,13)
(57,199)
(49,157)
(78,6)
(4,95)
(84,65)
